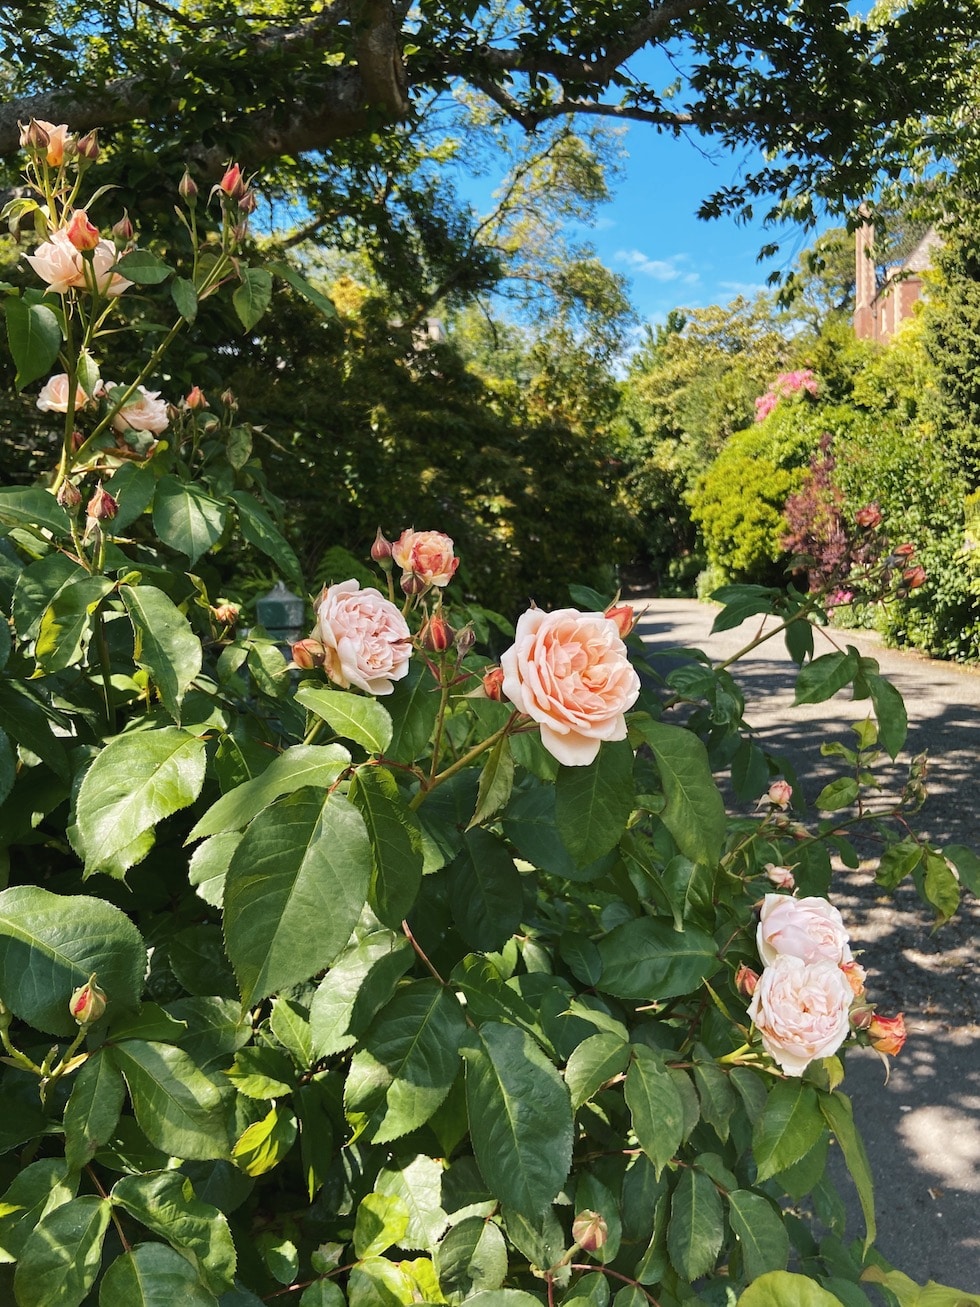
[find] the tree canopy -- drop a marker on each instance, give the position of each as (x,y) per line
(833,100)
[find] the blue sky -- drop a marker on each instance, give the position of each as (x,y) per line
(650,232)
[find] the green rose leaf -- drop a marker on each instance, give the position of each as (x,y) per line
(253,296)
(134,783)
(396,844)
(360,982)
(655,1106)
(820,679)
(381,1221)
(38,1188)
(784,1289)
(59,1262)
(153,1275)
(32,507)
(316,766)
(472,1257)
(520,1118)
(184,296)
(694,812)
(697,1226)
(294,891)
(143,268)
(839,1115)
(351,716)
(596,1060)
(178,1108)
(789,1127)
(593,803)
(50,944)
(66,624)
(300,284)
(93,1109)
(890,711)
(265,1143)
(34,337)
(164,1202)
(165,645)
(262,533)
(407,1062)
(414,706)
(485,891)
(760,1232)
(496,782)
(186,518)
(647,959)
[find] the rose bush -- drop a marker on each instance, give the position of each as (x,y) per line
(385,975)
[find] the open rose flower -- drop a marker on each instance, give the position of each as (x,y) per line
(800,1009)
(58,263)
(366,641)
(54,395)
(143,411)
(810,929)
(888,1034)
(569,672)
(58,141)
(427,555)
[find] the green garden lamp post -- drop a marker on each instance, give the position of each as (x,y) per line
(281,613)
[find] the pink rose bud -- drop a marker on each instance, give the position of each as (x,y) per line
(88,147)
(88,1002)
(413,584)
(195,399)
(888,1034)
(226,613)
(780,793)
(381,549)
(914,577)
(248,203)
(624,617)
(187,188)
(309,654)
(437,635)
(228,399)
(493,683)
(589,1231)
(868,517)
(123,231)
(781,877)
(102,507)
(465,639)
(746,980)
(856,976)
(69,496)
(862,1016)
(427,555)
(232,183)
(81,233)
(903,551)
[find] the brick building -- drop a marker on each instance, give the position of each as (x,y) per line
(884,299)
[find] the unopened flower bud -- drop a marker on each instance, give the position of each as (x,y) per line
(381,550)
(862,1016)
(248,203)
(33,137)
(228,399)
(779,794)
(195,399)
(887,1034)
(88,1002)
(465,639)
(856,976)
(232,183)
(88,147)
(123,230)
(914,577)
(868,517)
(82,234)
(309,654)
(746,980)
(413,584)
(589,1231)
(187,188)
(68,496)
(493,683)
(903,551)
(437,635)
(781,877)
(102,507)
(624,617)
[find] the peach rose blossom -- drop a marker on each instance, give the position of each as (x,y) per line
(809,929)
(427,555)
(105,256)
(366,640)
(54,395)
(82,234)
(888,1034)
(58,138)
(569,672)
(143,411)
(800,1009)
(57,262)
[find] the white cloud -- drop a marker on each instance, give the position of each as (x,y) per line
(671,269)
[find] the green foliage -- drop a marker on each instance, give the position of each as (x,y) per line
(369,999)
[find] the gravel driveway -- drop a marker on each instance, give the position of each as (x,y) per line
(922,1128)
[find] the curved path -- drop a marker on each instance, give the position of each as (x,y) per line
(922,1127)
